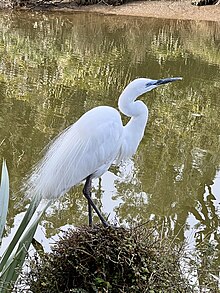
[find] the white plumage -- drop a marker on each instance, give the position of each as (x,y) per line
(89,146)
(81,150)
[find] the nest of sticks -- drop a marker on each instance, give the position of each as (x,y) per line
(110,259)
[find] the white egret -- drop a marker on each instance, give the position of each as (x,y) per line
(87,148)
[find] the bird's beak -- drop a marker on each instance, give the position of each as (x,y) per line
(166,80)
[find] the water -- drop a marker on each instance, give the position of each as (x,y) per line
(54,67)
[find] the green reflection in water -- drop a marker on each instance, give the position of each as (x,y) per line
(55,67)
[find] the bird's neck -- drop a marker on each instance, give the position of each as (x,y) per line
(128,105)
(134,129)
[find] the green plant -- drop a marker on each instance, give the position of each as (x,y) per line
(14,256)
(4,198)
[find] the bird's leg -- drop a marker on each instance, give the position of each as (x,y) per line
(87,194)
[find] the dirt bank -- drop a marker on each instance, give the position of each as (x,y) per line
(159,9)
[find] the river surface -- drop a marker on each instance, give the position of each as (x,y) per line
(54,67)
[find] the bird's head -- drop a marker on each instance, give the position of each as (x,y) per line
(141,86)
(137,88)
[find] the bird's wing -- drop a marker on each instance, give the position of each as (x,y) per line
(87,147)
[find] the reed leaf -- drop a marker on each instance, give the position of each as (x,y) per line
(15,262)
(14,256)
(4,198)
(27,217)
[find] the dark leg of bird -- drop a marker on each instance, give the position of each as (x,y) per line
(87,190)
(87,194)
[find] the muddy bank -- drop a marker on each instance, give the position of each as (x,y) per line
(158,9)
